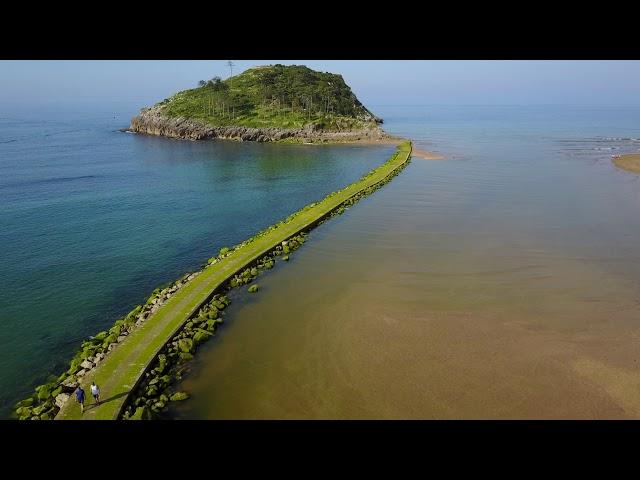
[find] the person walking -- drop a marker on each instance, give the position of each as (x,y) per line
(80,397)
(95,391)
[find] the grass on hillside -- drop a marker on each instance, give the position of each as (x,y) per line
(274,96)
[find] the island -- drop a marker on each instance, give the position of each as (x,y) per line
(272,103)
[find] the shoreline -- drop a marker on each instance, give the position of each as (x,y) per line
(152,121)
(629,162)
(328,139)
(170,314)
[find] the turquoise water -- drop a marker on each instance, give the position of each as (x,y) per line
(501,282)
(93,219)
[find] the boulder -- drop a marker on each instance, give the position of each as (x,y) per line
(184,356)
(201,336)
(23,412)
(253,288)
(81,373)
(152,391)
(61,399)
(101,336)
(179,396)
(86,365)
(70,384)
(121,338)
(27,402)
(43,392)
(112,338)
(185,345)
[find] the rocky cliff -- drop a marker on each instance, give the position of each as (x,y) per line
(152,121)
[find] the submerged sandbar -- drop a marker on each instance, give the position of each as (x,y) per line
(629,162)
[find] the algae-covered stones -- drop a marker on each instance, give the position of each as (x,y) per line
(139,414)
(43,392)
(23,411)
(285,258)
(27,402)
(185,345)
(185,356)
(112,338)
(224,251)
(254,272)
(253,289)
(211,323)
(201,336)
(152,391)
(179,396)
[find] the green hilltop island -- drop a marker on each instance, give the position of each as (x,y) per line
(273,103)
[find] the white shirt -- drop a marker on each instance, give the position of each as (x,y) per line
(95,390)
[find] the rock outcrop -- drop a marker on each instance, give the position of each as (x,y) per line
(152,121)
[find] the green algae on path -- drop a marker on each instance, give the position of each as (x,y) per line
(629,162)
(123,368)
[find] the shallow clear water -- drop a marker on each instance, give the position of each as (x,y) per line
(93,219)
(502,282)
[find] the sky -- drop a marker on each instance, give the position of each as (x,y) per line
(384,82)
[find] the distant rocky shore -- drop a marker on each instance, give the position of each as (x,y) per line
(151,121)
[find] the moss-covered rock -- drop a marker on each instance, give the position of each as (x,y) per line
(139,414)
(253,289)
(112,338)
(179,396)
(43,392)
(185,345)
(27,402)
(24,412)
(151,391)
(185,356)
(115,330)
(201,336)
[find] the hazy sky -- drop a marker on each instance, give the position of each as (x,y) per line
(374,82)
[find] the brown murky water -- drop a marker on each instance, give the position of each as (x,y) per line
(504,283)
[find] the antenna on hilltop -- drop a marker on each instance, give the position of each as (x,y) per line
(230,64)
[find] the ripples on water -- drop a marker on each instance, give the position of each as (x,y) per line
(501,284)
